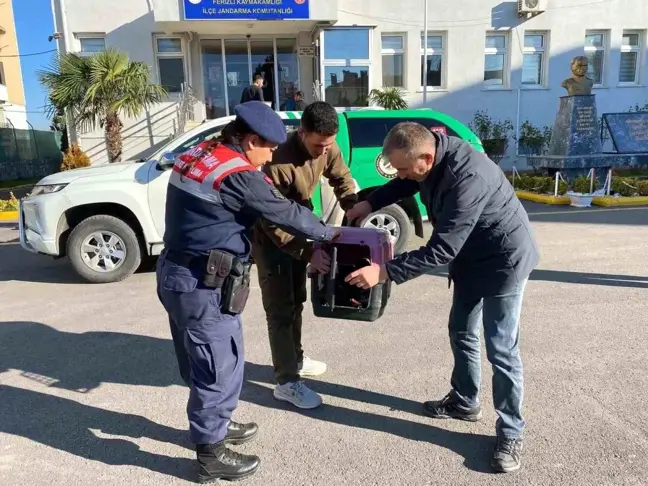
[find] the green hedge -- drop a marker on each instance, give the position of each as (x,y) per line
(538,184)
(623,186)
(629,186)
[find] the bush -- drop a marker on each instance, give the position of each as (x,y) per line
(75,158)
(582,185)
(538,184)
(628,186)
(534,140)
(10,204)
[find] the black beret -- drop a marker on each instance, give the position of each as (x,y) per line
(262,120)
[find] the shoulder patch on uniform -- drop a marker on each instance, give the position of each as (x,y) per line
(275,192)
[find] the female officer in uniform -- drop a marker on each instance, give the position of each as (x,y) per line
(215,195)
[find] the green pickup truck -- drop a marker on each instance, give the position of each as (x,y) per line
(360,139)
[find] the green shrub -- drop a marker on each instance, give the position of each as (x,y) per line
(538,184)
(642,187)
(10,204)
(75,158)
(582,184)
(624,186)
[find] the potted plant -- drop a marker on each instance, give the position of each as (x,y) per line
(533,140)
(494,135)
(582,192)
(388,98)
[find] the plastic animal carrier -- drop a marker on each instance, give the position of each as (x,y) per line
(355,248)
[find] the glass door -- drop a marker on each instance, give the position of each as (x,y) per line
(262,62)
(214,80)
(288,73)
(237,65)
(230,65)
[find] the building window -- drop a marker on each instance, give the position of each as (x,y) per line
(393,60)
(91,45)
(630,49)
(170,56)
(496,61)
(345,66)
(432,74)
(595,53)
(533,63)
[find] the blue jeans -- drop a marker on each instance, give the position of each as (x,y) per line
(500,316)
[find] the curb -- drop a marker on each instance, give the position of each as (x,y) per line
(609,201)
(11,215)
(543,198)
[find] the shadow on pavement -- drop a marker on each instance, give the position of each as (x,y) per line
(476,449)
(70,426)
(82,362)
(22,266)
(590,278)
(609,280)
(8,225)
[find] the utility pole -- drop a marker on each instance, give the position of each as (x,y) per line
(425,47)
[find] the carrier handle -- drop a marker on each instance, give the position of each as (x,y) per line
(330,285)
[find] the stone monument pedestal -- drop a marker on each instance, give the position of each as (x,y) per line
(576,143)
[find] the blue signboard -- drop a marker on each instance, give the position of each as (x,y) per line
(246,9)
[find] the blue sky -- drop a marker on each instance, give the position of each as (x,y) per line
(34,24)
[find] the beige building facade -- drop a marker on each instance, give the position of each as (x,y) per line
(12,91)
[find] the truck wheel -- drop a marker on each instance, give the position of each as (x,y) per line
(395,220)
(104,249)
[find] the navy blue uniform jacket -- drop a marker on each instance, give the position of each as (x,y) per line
(480,227)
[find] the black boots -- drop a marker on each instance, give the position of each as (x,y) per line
(216,461)
(238,434)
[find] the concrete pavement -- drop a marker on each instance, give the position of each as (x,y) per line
(89,390)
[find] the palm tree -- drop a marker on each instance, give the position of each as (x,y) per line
(389,98)
(98,89)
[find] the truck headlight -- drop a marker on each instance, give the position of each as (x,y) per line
(47,189)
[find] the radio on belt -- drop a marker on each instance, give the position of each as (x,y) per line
(355,248)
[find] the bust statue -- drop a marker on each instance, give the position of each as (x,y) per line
(578,83)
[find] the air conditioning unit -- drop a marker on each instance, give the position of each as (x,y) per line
(531,7)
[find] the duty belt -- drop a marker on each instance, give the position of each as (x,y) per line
(185,259)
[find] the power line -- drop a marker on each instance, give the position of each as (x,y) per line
(31,54)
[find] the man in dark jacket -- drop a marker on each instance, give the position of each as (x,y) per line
(482,231)
(254,92)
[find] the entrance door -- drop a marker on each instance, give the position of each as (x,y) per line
(262,62)
(230,65)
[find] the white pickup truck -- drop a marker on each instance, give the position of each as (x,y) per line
(106,219)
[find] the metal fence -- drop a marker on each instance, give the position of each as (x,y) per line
(28,154)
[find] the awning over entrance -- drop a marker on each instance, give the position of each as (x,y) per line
(243,16)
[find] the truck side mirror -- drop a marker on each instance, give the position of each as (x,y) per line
(166,161)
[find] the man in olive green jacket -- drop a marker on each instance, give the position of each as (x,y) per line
(282,259)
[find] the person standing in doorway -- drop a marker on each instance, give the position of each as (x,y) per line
(254,92)
(483,232)
(296,168)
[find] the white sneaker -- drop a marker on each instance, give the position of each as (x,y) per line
(298,394)
(310,367)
